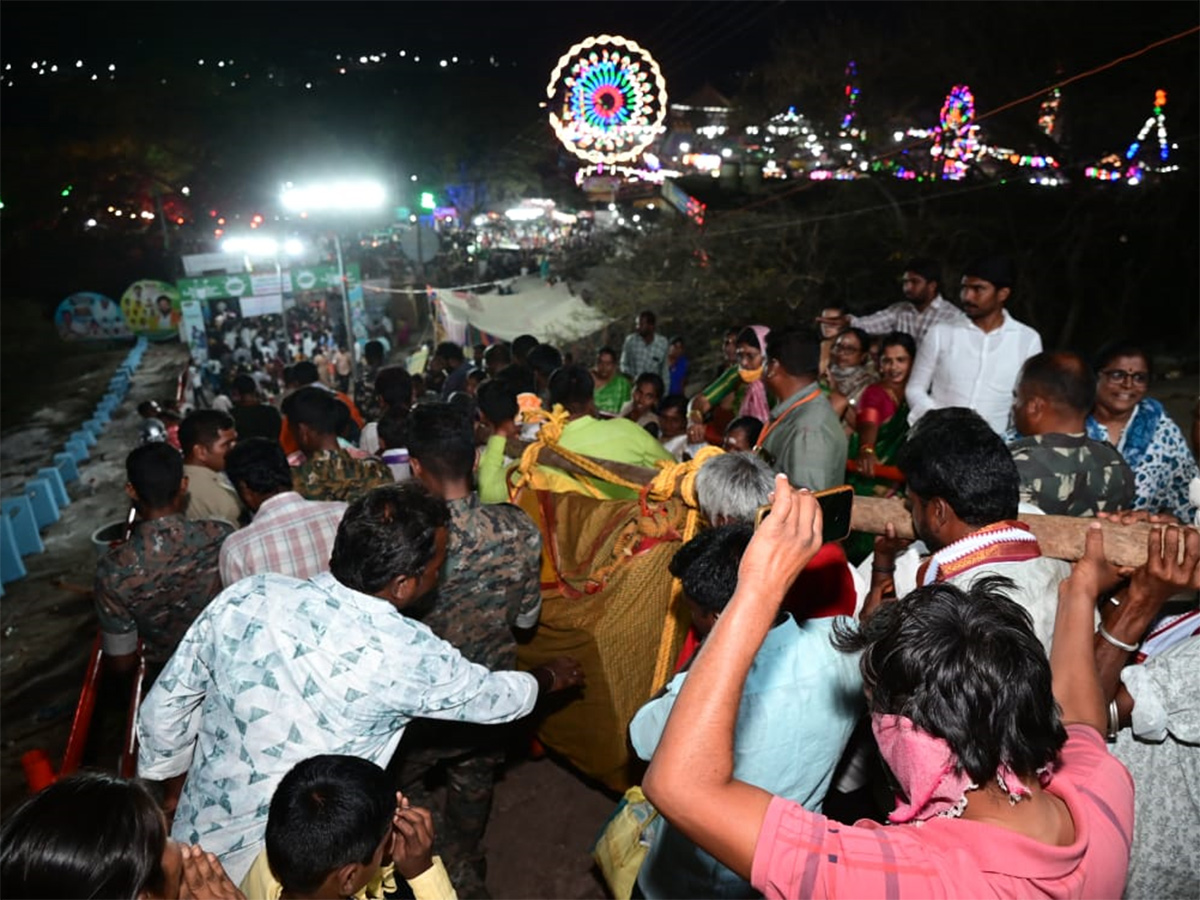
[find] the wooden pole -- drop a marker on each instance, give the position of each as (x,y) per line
(1060,537)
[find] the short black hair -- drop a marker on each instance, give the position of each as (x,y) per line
(965,666)
(1115,349)
(327,812)
(798,350)
(500,353)
(497,401)
(260,464)
(440,438)
(449,351)
(245,385)
(1062,378)
(392,428)
(305,372)
(899,339)
(87,835)
(544,359)
(315,407)
(390,531)
(607,351)
(521,346)
(674,401)
(373,351)
(654,380)
(707,565)
(156,472)
(953,453)
(518,378)
(203,427)
(749,424)
(929,269)
(996,270)
(393,385)
(572,386)
(649,316)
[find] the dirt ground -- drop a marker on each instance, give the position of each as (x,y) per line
(545,817)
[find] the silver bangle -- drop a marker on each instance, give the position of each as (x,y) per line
(1116,642)
(1114,722)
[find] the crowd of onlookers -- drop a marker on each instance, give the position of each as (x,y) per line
(329,591)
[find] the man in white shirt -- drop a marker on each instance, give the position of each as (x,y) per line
(976,361)
(922,307)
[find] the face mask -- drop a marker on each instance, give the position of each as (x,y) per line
(925,767)
(750,375)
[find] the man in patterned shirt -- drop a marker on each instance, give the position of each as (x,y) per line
(276,670)
(155,584)
(489,587)
(1063,471)
(923,305)
(329,471)
(289,535)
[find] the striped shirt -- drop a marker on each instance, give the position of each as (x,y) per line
(802,854)
(289,536)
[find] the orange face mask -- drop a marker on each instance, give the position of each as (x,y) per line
(750,375)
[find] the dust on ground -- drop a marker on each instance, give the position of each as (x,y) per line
(544,818)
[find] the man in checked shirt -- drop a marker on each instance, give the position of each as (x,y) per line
(289,535)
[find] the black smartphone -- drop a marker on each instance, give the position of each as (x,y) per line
(836,504)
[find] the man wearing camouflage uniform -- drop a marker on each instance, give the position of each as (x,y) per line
(329,471)
(1063,471)
(489,587)
(155,584)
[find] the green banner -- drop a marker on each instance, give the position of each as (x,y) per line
(243,284)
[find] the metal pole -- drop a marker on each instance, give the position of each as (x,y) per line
(351,344)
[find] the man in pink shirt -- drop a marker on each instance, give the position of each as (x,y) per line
(1013,797)
(289,535)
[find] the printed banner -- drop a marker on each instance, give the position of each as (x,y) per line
(192,330)
(86,316)
(151,308)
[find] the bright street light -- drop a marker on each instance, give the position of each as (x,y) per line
(251,246)
(262,246)
(335,195)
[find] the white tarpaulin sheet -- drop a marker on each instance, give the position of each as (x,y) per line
(549,313)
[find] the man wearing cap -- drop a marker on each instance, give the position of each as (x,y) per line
(923,305)
(974,362)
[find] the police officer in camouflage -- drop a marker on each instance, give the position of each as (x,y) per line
(1063,471)
(154,585)
(488,593)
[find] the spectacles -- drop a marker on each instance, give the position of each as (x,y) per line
(1120,376)
(847,348)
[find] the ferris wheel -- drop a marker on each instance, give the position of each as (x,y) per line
(607,99)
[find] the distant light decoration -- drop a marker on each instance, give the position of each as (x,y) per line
(1048,114)
(1157,118)
(1131,169)
(852,93)
(959,142)
(611,99)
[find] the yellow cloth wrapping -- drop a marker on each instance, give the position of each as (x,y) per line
(611,608)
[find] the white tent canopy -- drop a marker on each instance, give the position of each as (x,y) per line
(548,312)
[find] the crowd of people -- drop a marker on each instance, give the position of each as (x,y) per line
(329,594)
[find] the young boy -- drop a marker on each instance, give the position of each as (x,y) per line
(333,824)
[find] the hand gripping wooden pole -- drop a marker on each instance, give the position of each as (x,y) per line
(1061,537)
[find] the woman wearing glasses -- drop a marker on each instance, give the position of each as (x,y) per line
(1141,430)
